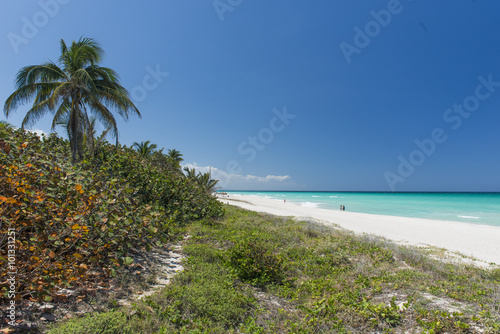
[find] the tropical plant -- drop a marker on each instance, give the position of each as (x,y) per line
(145,148)
(90,138)
(76,86)
(88,129)
(204,180)
(190,173)
(176,157)
(78,224)
(5,127)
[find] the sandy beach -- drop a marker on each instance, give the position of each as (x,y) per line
(478,241)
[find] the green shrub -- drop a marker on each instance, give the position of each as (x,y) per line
(155,181)
(72,220)
(252,262)
(495,274)
(202,253)
(104,323)
(204,291)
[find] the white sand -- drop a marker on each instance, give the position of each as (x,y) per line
(478,241)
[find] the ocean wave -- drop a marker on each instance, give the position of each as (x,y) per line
(469,217)
(310,204)
(333,196)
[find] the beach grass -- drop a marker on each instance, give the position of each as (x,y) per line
(257,273)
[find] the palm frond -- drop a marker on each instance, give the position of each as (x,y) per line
(36,113)
(72,89)
(61,117)
(47,72)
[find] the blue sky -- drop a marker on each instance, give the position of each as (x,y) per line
(293,95)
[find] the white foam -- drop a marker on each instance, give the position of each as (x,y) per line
(309,204)
(469,217)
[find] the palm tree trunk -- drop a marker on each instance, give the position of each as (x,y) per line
(74,125)
(88,135)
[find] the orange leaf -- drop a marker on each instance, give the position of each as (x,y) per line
(2,199)
(78,187)
(75,227)
(52,254)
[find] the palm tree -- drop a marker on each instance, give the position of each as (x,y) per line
(145,148)
(74,87)
(204,180)
(191,173)
(176,158)
(87,128)
(90,138)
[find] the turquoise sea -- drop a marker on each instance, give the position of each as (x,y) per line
(475,208)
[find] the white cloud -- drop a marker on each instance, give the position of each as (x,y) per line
(267,178)
(36,131)
(243,182)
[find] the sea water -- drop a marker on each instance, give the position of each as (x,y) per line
(476,208)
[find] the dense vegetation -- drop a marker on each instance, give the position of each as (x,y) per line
(255,273)
(77,225)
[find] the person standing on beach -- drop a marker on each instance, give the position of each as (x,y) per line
(340,207)
(343,207)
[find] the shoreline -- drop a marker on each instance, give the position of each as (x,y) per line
(480,242)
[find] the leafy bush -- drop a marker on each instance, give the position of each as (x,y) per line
(252,262)
(203,253)
(105,323)
(77,224)
(495,274)
(154,180)
(204,291)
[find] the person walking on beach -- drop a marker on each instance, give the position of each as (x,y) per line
(340,207)
(343,207)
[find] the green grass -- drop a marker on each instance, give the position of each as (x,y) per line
(255,273)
